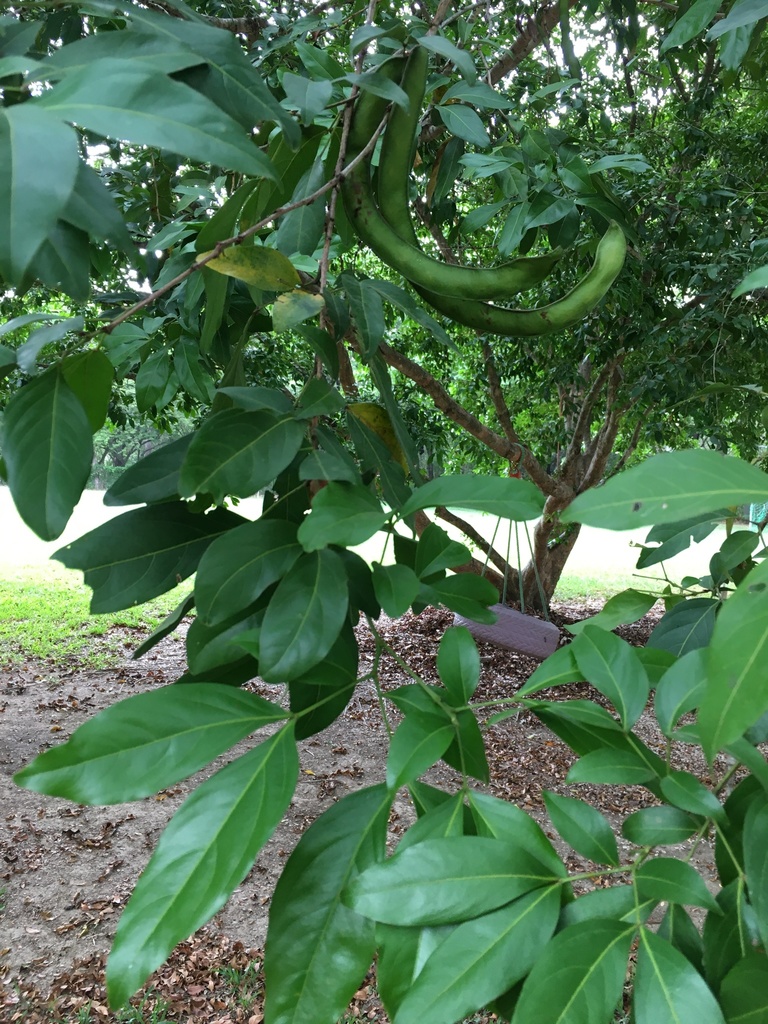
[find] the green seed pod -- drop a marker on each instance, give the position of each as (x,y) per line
(476,283)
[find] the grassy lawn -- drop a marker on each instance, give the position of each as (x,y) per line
(44,608)
(44,614)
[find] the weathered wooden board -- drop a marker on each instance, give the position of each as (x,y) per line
(516,632)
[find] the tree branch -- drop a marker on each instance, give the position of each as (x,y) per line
(497,396)
(535,31)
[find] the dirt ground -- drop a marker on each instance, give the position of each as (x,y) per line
(67,870)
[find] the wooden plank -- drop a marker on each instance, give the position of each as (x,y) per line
(515,631)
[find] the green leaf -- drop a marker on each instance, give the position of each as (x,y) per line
(124,752)
(679,930)
(617,903)
(193,376)
(47,449)
(27,353)
(680,689)
(616,767)
(744,991)
(499,496)
(737,688)
(320,695)
(667,488)
(400,298)
(479,95)
(368,312)
(754,280)
(319,398)
(309,926)
(445,48)
(239,452)
(502,820)
(464,123)
(440,881)
(728,935)
(743,12)
(152,379)
(301,229)
(171,622)
(685,791)
(92,209)
(686,626)
(344,514)
(120,100)
(583,827)
(481,959)
(257,265)
(558,669)
(306,95)
(729,847)
(396,587)
(628,606)
(304,616)
(458,663)
(294,308)
(37,176)
(257,398)
(436,551)
(239,566)
(578,976)
(611,666)
(124,343)
(323,465)
(466,594)
(90,375)
(514,228)
(676,537)
(669,988)
(659,826)
(666,878)
(144,552)
(153,478)
(205,852)
(443,819)
(467,752)
(417,744)
(756,862)
(690,24)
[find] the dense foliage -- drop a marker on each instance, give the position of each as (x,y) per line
(184,194)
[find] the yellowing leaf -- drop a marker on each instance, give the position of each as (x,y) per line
(376,418)
(266,269)
(295,307)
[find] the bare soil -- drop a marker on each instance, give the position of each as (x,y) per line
(68,870)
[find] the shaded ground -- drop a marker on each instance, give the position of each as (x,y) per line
(68,870)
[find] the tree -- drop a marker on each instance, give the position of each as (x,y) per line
(177,174)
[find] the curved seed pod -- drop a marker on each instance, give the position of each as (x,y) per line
(557,315)
(394,167)
(475,283)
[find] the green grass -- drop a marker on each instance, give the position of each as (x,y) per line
(44,614)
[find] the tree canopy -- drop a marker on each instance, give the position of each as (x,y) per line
(359,249)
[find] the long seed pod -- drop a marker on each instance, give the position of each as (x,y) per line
(477,283)
(394,168)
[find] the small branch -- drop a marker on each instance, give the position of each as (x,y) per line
(583,420)
(477,538)
(536,30)
(442,9)
(497,396)
(445,403)
(629,450)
